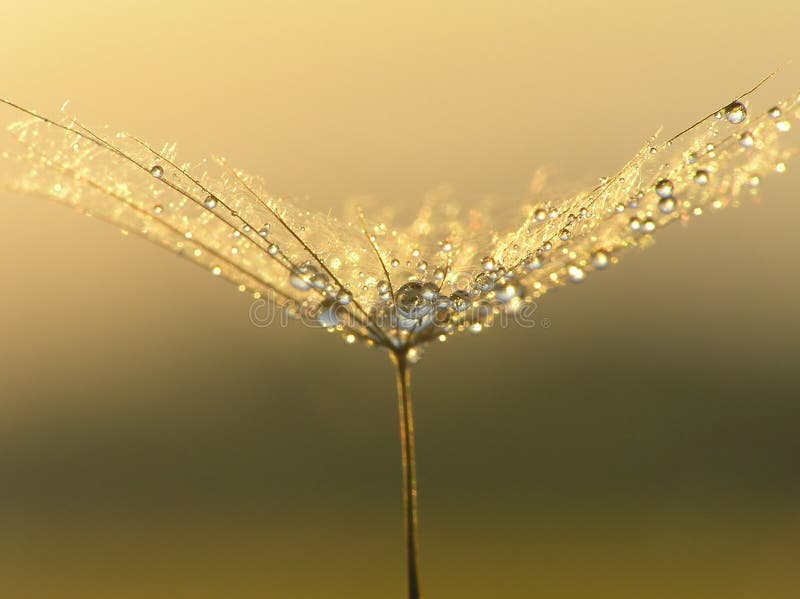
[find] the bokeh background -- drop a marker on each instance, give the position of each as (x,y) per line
(153,443)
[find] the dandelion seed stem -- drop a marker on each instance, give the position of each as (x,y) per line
(400,359)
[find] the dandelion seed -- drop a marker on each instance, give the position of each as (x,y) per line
(395,287)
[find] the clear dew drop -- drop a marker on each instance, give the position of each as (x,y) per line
(649,225)
(600,259)
(460,300)
(395,263)
(747,140)
(575,273)
(540,214)
(667,205)
(483,283)
(439,274)
(328,316)
(157,171)
(344,297)
(410,302)
(487,263)
(429,292)
(273,249)
(664,188)
(216,271)
(774,112)
(158,209)
(210,202)
(263,231)
(564,234)
(701,176)
(299,279)
(735,113)
(634,224)
(533,262)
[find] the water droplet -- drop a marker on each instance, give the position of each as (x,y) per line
(350,338)
(344,297)
(746,139)
(483,283)
(328,315)
(429,292)
(664,188)
(210,202)
(701,176)
(575,273)
(546,246)
(216,271)
(735,112)
(564,234)
(158,208)
(634,224)
(533,262)
(600,259)
(299,279)
(783,126)
(422,266)
(395,263)
(272,249)
(447,246)
(263,231)
(439,274)
(410,302)
(649,225)
(667,205)
(487,263)
(774,112)
(540,214)
(382,287)
(460,300)
(157,171)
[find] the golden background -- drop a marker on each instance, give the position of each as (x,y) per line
(154,443)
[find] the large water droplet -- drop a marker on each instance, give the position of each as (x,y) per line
(667,205)
(664,188)
(300,279)
(410,302)
(701,176)
(273,249)
(735,112)
(157,171)
(210,202)
(746,139)
(533,262)
(487,263)
(460,300)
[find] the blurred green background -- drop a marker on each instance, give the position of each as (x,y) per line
(153,443)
